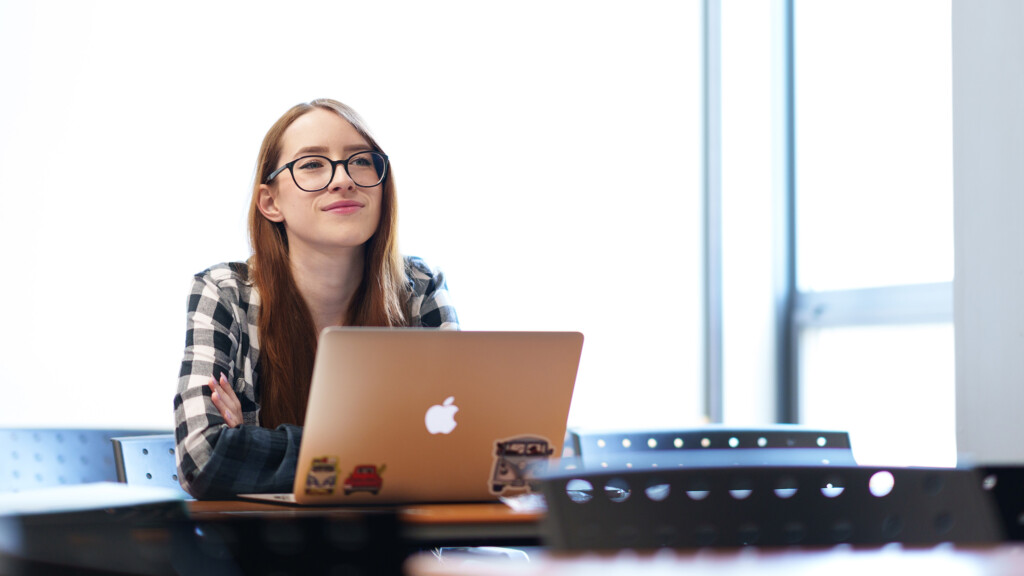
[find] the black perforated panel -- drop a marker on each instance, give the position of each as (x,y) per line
(711,446)
(767,506)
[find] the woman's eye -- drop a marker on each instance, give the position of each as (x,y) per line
(311,164)
(360,161)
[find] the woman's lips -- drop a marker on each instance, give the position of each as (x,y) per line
(343,207)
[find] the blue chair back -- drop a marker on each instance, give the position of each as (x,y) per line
(146,460)
(33,458)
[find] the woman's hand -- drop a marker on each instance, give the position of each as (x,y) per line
(226,402)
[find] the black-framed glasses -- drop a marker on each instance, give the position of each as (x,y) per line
(315,173)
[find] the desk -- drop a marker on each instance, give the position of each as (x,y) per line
(891,559)
(424,525)
(101,528)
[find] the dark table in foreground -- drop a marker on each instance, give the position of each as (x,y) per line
(105,527)
(424,525)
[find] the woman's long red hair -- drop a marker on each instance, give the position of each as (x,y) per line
(287,336)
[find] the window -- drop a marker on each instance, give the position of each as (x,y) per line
(874,225)
(874,143)
(751,111)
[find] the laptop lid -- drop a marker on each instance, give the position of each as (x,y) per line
(415,415)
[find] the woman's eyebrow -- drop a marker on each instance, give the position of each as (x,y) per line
(323,150)
(311,150)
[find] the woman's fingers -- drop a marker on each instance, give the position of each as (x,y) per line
(225,401)
(229,394)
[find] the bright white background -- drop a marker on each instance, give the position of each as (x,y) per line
(129,130)
(874,207)
(748,228)
(874,143)
(874,181)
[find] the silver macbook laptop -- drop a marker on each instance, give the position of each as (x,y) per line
(415,415)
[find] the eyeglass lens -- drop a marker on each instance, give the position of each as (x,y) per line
(314,173)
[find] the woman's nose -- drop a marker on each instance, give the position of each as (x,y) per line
(341,179)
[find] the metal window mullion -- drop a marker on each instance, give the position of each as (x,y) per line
(787,351)
(712,184)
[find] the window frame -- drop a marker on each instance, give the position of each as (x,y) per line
(795,310)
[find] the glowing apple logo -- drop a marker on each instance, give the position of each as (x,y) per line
(440,418)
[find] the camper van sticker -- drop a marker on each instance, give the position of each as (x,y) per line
(323,476)
(517,461)
(364,478)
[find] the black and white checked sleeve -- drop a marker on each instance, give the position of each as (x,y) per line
(430,305)
(215,461)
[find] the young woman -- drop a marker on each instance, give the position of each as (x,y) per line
(322,223)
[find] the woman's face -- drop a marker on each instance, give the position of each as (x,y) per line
(341,216)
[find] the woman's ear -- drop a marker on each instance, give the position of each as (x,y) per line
(267,203)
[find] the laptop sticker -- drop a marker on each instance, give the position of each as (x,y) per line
(365,478)
(517,461)
(323,476)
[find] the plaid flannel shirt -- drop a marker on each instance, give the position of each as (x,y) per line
(215,461)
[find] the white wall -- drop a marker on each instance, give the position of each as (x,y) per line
(129,131)
(988,123)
